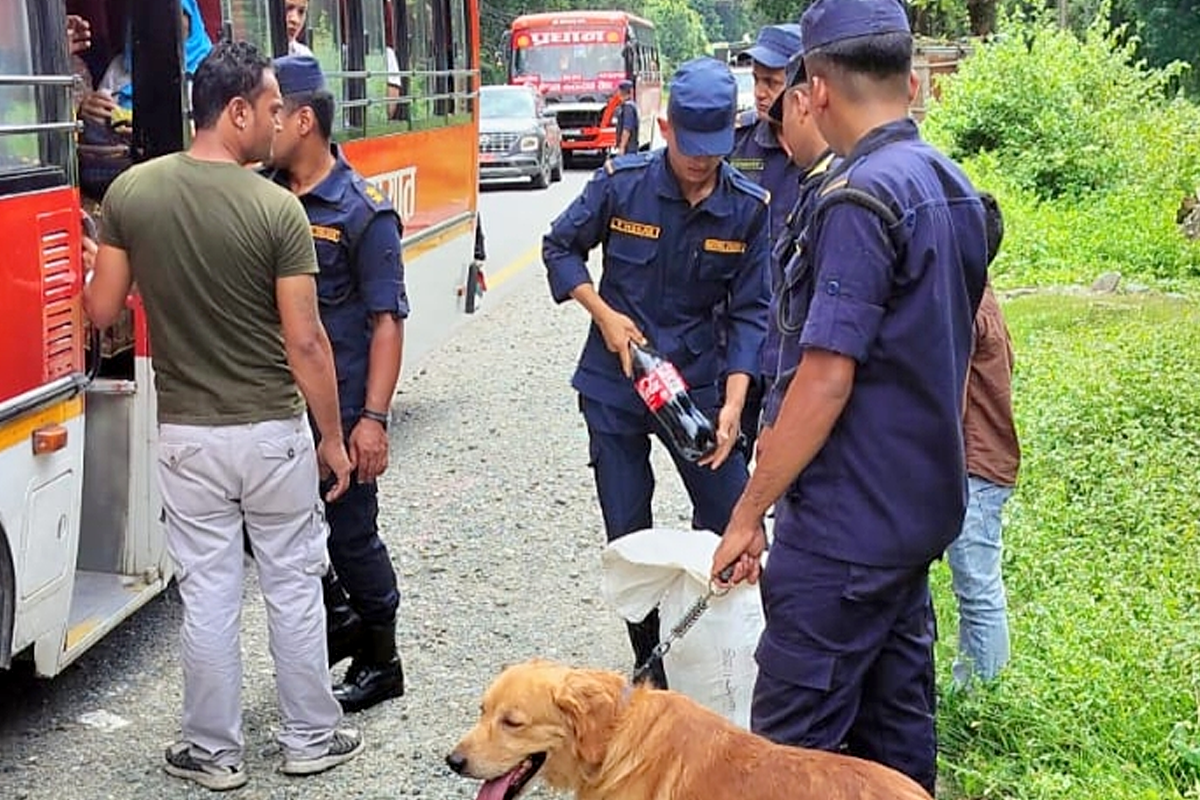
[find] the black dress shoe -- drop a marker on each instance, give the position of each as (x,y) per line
(375,674)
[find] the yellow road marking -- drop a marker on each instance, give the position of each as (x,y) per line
(513,267)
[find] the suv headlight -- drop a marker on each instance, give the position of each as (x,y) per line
(529,144)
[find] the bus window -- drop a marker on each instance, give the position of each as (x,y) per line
(421,53)
(460,61)
(18,104)
(249,20)
(324,38)
(383,87)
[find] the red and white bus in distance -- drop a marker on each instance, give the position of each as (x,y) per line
(576,59)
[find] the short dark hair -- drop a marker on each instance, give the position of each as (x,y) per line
(993,224)
(232,69)
(322,104)
(885,58)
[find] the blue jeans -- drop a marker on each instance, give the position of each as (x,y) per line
(974,559)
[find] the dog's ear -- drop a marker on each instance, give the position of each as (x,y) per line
(590,701)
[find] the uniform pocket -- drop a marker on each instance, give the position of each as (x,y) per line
(796,664)
(629,252)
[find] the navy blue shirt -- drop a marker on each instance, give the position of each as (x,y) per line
(357,235)
(758,154)
(627,120)
(786,256)
(666,266)
(888,488)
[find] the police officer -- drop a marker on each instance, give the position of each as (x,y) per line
(815,159)
(363,306)
(865,462)
(681,229)
(627,120)
(759,153)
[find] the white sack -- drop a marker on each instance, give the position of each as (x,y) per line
(713,663)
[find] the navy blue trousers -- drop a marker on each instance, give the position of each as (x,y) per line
(846,661)
(359,556)
(619,446)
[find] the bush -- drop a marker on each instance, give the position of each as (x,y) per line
(1083,147)
(1102,564)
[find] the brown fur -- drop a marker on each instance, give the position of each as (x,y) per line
(607,741)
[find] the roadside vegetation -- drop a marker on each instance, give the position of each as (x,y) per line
(1090,154)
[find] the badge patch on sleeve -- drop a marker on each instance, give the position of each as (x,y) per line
(326,234)
(723,246)
(639,229)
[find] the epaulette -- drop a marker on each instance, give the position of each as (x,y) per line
(746,119)
(628,161)
(749,187)
(377,199)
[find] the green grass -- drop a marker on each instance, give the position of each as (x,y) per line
(1102,564)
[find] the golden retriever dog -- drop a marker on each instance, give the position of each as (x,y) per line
(590,732)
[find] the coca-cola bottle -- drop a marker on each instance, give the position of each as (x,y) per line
(665,393)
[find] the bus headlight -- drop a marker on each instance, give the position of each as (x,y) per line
(529,144)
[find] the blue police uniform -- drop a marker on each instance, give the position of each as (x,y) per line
(786,269)
(757,151)
(357,236)
(666,265)
(846,659)
(628,119)
(759,154)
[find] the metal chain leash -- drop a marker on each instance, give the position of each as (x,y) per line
(685,623)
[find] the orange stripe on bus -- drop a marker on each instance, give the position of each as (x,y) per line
(20,431)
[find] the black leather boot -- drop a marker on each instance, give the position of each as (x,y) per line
(644,637)
(375,674)
(343,625)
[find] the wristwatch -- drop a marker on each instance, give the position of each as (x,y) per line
(377,416)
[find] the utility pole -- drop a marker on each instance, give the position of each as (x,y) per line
(1062,13)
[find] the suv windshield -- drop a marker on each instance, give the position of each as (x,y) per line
(505,103)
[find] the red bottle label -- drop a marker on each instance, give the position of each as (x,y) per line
(659,385)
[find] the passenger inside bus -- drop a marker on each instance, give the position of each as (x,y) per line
(100,42)
(107,108)
(296,16)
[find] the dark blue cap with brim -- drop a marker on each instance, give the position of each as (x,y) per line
(775,45)
(702,108)
(794,75)
(298,75)
(829,21)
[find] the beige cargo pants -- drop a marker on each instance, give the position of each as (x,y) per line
(214,480)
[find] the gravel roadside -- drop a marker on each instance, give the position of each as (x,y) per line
(491,518)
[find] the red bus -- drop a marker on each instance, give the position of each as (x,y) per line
(576,59)
(81,542)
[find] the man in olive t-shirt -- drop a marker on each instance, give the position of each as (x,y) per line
(225,266)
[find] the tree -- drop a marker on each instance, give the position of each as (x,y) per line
(680,31)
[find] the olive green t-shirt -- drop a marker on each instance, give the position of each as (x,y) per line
(206,242)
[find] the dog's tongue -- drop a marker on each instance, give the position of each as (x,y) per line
(496,787)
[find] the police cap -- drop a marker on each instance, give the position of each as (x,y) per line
(794,75)
(775,45)
(702,107)
(625,85)
(829,21)
(298,75)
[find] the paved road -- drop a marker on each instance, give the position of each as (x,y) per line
(491,520)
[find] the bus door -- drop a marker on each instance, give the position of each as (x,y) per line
(122,560)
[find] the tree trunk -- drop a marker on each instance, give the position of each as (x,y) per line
(983,16)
